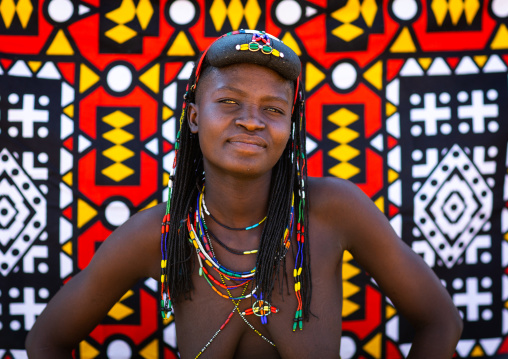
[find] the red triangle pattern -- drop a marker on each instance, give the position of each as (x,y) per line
(393,67)
(453,62)
(68,212)
(68,71)
(392,142)
(69,143)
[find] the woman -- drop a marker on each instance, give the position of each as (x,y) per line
(251,249)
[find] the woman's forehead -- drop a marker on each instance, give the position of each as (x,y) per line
(244,75)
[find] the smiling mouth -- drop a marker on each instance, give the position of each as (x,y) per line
(254,142)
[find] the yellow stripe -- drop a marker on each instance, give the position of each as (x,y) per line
(163,263)
(299,270)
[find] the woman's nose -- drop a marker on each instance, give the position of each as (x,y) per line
(250,119)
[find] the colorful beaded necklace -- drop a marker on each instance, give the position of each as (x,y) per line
(231,228)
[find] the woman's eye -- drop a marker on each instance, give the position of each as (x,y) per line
(228,101)
(275,110)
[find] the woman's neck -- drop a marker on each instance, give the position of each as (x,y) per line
(238,202)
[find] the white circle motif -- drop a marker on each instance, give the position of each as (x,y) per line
(486,257)
(15,325)
(60,10)
(44,100)
(13,131)
(119,78)
(416,131)
(415,99)
(462,96)
(492,151)
(43,132)
(288,12)
(492,95)
(487,314)
(486,282)
(117,212)
(347,347)
(405,9)
(344,76)
(13,98)
(464,127)
(118,349)
(493,126)
(446,128)
(457,283)
(500,8)
(444,97)
(14,292)
(43,293)
(43,268)
(43,157)
(417,155)
(182,12)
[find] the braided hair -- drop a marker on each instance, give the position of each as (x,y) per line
(289,177)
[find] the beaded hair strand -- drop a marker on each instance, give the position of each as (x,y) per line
(289,177)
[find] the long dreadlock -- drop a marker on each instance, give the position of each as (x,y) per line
(289,176)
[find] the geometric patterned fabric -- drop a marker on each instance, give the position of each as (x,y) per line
(405,98)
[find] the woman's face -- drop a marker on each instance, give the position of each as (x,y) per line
(242,116)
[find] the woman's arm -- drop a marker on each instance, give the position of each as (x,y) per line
(402,275)
(130,253)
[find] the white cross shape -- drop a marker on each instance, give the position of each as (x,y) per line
(478,111)
(27,115)
(430,114)
(28,309)
(472,299)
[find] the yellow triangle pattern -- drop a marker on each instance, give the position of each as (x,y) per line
(392,175)
(500,41)
(87,78)
(349,289)
(312,76)
(290,41)
(151,351)
(87,351)
(166,113)
(506,236)
(34,65)
(68,179)
(404,43)
(480,60)
(151,78)
(374,75)
(60,45)
(477,351)
(390,311)
(67,248)
(380,203)
(165,179)
(85,213)
(349,307)
(69,111)
(390,109)
(373,347)
(181,46)
(349,271)
(119,310)
(235,12)
(118,119)
(425,62)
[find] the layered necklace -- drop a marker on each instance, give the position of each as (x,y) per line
(200,237)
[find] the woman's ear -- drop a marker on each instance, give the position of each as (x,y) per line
(192,117)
